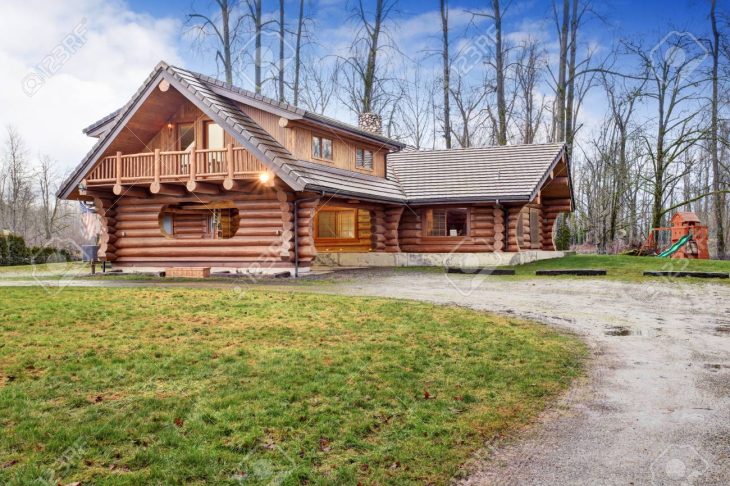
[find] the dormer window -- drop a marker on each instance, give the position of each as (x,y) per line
(363,159)
(321,148)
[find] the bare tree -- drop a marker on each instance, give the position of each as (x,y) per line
(298,52)
(225,29)
(364,79)
(19,192)
(719,197)
(446,71)
(415,111)
(528,75)
(469,103)
(282,44)
(672,87)
(49,206)
(319,88)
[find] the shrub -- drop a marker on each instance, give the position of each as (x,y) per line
(562,235)
(13,251)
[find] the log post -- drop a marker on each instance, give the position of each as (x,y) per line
(229,162)
(193,164)
(157,165)
(119,168)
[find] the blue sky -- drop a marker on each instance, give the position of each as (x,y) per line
(124,39)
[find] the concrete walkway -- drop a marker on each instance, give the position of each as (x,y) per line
(656,406)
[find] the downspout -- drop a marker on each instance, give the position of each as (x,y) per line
(296,232)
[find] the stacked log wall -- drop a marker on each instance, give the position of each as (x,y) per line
(264,236)
(551,209)
(481,238)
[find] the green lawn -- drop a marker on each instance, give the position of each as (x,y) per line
(182,386)
(625,267)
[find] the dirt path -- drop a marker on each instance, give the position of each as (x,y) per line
(656,407)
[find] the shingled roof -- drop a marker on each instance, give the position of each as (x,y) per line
(507,173)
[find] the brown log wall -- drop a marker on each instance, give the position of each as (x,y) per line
(264,235)
(482,236)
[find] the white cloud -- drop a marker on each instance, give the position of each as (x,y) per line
(120,48)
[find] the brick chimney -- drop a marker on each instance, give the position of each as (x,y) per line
(370,122)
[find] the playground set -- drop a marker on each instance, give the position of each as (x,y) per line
(686,238)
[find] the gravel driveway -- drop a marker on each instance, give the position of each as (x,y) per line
(655,408)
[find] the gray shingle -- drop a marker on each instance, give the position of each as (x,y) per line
(504,172)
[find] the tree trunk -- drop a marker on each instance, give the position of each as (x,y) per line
(499,67)
(298,53)
(258,60)
(571,76)
(281,51)
(559,115)
(719,198)
(447,71)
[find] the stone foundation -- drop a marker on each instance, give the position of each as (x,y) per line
(457,260)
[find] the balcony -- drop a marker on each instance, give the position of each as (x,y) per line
(194,168)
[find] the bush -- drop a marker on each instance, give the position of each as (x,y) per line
(13,251)
(562,235)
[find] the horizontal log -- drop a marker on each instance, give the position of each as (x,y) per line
(198,187)
(444,248)
(409,233)
(162,242)
(200,252)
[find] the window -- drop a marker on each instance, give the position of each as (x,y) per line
(447,222)
(215,142)
(199,221)
(321,148)
(214,138)
(185,136)
(364,159)
(337,225)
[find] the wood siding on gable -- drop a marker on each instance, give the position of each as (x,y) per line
(298,140)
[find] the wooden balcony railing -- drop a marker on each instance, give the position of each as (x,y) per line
(180,166)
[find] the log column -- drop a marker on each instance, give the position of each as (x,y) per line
(305,230)
(392,219)
(551,209)
(378,232)
(499,229)
(286,207)
(105,208)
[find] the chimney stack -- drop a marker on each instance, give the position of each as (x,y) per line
(371,122)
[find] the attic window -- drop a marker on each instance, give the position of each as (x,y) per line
(321,148)
(364,159)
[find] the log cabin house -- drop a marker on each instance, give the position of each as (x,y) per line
(195,173)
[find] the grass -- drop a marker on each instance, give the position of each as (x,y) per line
(627,268)
(45,268)
(182,386)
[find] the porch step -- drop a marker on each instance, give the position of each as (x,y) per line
(187,272)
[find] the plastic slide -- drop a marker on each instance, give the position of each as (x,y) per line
(675,247)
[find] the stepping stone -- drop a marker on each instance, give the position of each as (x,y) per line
(578,272)
(688,274)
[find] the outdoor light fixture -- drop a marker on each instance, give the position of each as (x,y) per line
(264,177)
